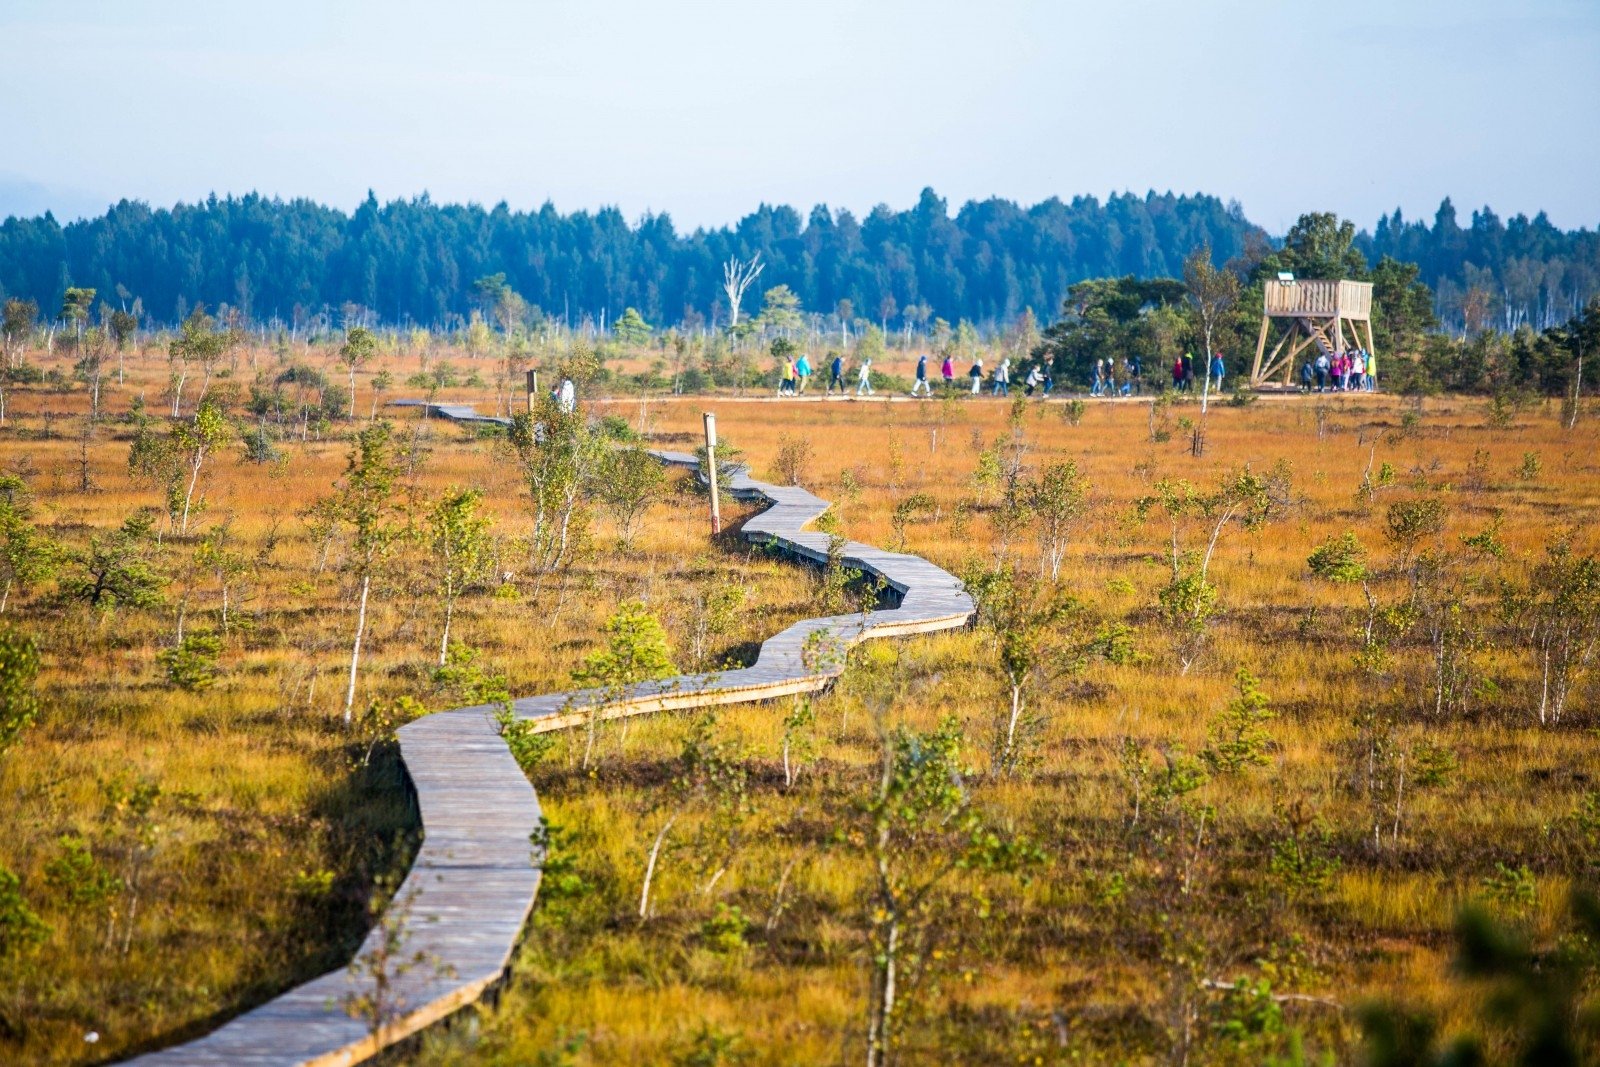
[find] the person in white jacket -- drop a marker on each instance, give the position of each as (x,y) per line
(1002,378)
(864,378)
(567,396)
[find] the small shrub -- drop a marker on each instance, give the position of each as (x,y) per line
(311,885)
(793,462)
(77,877)
(464,678)
(1339,559)
(19,665)
(192,666)
(1239,737)
(20,929)
(1513,888)
(616,428)
(724,932)
(527,747)
(1301,862)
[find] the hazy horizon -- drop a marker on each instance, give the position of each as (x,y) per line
(706,111)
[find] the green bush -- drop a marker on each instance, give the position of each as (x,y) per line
(19,666)
(192,666)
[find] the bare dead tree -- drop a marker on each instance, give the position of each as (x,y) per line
(737,277)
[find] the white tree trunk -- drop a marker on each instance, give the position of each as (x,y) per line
(650,867)
(449,613)
(355,650)
(878,1026)
(194,477)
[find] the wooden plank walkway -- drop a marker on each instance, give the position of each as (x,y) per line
(463,905)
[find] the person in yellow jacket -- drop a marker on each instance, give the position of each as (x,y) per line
(786,377)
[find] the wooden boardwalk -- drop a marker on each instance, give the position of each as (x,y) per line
(461,909)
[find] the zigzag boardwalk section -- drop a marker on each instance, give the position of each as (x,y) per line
(462,907)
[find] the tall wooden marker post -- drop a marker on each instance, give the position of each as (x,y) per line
(533,389)
(711,471)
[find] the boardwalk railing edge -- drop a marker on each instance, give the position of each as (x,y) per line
(461,909)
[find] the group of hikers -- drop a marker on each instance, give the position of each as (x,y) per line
(796,373)
(1351,371)
(1343,371)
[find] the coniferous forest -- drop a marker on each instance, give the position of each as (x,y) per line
(416,260)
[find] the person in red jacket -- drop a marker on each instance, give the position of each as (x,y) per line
(1177,373)
(947,371)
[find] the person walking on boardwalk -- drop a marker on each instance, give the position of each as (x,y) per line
(922,377)
(786,377)
(1217,369)
(1188,371)
(836,374)
(1002,378)
(1135,377)
(947,371)
(802,371)
(976,374)
(864,378)
(1177,375)
(1032,381)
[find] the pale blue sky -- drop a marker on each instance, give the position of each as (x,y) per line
(705,109)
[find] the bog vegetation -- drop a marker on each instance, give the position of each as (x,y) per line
(1272,753)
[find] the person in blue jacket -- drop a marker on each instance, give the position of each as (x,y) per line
(836,374)
(922,377)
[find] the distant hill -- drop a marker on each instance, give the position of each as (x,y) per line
(415,260)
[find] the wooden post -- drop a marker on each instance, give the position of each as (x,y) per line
(711,471)
(1261,349)
(533,389)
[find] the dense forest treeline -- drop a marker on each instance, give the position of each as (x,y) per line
(416,261)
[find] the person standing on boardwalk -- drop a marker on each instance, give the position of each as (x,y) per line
(836,374)
(1002,378)
(864,379)
(1135,380)
(802,371)
(976,374)
(1098,382)
(1217,370)
(1188,372)
(922,377)
(947,370)
(1177,375)
(567,397)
